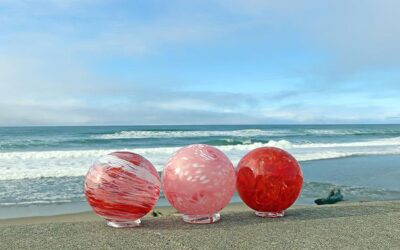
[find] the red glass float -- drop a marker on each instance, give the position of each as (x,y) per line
(269,180)
(199,181)
(122,187)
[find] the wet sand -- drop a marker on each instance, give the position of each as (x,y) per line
(366,225)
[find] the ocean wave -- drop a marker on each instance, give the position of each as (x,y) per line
(45,194)
(233,142)
(35,202)
(35,164)
(314,190)
(367,143)
(188,134)
(346,132)
(142,134)
(166,137)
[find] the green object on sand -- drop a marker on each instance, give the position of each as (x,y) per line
(334,196)
(156,213)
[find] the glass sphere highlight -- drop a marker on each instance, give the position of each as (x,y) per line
(122,187)
(269,180)
(199,181)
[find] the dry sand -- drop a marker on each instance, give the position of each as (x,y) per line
(368,225)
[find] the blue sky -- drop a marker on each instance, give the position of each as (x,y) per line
(94,62)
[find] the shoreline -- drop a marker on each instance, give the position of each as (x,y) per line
(372,225)
(361,178)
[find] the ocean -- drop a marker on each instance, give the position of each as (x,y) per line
(42,166)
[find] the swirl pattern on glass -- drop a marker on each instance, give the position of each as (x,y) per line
(122,186)
(269,180)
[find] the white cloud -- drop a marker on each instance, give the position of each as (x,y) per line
(355,36)
(48,48)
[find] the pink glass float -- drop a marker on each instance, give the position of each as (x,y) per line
(199,181)
(122,187)
(269,180)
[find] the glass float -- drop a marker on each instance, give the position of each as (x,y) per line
(122,187)
(269,180)
(199,181)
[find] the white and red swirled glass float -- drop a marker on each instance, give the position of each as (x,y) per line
(122,187)
(199,181)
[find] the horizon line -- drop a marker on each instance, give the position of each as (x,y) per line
(160,125)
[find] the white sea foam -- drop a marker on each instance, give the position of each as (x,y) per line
(139,134)
(35,202)
(197,133)
(382,142)
(19,165)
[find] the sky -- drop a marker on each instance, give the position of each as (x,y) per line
(98,62)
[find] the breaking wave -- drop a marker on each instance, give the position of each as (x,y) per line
(35,164)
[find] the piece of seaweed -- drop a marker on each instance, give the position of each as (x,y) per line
(156,213)
(334,196)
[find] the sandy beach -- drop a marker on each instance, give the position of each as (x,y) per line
(364,225)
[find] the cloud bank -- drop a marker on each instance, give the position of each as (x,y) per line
(198,62)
